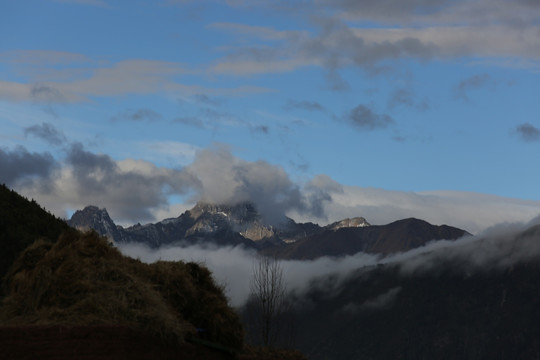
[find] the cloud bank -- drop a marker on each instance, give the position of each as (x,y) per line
(470,211)
(134,190)
(139,191)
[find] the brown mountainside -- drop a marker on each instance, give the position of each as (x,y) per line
(399,236)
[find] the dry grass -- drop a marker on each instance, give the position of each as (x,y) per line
(82,280)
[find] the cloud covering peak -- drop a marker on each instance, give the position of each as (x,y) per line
(225,179)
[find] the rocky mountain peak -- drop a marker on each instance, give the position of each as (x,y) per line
(98,219)
(347,223)
(241,213)
(242,218)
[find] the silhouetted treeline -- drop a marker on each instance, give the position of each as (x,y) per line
(21,223)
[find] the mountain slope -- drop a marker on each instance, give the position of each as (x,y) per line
(478,301)
(92,217)
(399,236)
(21,223)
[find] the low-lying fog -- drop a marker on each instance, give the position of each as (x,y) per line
(497,247)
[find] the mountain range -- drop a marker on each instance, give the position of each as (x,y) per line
(241,224)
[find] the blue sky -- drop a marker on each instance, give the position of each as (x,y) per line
(304,107)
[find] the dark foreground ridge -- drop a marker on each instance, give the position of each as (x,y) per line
(99,342)
(21,223)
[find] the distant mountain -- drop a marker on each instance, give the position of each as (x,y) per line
(23,221)
(459,306)
(92,217)
(399,236)
(220,224)
(241,224)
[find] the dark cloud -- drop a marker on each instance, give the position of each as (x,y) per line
(405,97)
(528,132)
(138,115)
(190,121)
(45,93)
(262,129)
(128,194)
(439,11)
(304,105)
(20,164)
(206,100)
(334,45)
(364,118)
(47,132)
(133,190)
(387,9)
(85,162)
(338,46)
(461,91)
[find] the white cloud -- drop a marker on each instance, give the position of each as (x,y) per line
(469,211)
(456,41)
(233,266)
(135,190)
(86,78)
(342,35)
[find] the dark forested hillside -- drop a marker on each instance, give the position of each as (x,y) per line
(21,223)
(477,300)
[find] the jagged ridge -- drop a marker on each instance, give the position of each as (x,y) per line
(241,224)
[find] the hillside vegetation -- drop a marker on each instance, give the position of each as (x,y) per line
(55,275)
(21,223)
(83,280)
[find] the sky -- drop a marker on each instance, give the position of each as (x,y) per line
(318,109)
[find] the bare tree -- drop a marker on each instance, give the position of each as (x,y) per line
(268,298)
